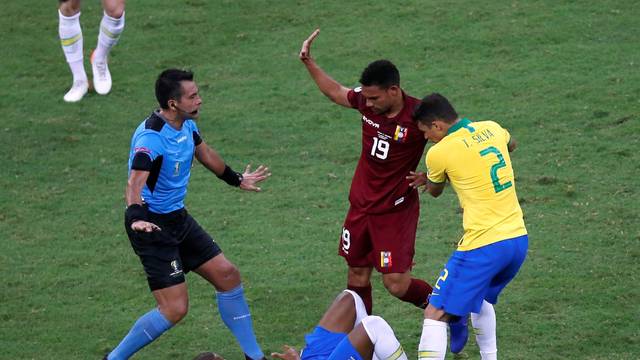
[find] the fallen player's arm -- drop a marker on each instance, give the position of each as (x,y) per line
(288,353)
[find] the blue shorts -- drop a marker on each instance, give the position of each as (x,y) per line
(469,277)
(322,344)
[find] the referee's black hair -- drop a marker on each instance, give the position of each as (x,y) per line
(168,85)
(432,107)
(380,73)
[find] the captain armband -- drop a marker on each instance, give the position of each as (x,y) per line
(135,212)
(231,177)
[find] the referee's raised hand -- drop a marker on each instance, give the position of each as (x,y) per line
(251,178)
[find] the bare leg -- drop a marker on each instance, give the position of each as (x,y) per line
(397,283)
(173,302)
(359,276)
(341,315)
(69,7)
(113,8)
(220,272)
(361,342)
(407,288)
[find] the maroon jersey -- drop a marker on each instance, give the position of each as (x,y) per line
(391,148)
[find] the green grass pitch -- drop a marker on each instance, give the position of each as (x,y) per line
(562,76)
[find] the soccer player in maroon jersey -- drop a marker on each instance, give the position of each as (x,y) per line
(380,227)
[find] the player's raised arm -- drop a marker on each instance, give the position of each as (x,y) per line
(329,87)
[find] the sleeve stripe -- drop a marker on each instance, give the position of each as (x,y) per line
(141,161)
(197,140)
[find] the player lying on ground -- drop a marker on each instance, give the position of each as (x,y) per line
(345,331)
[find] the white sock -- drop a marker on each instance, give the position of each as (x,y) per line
(386,346)
(484,325)
(433,342)
(110,30)
(71,40)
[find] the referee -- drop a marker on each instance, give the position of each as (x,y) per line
(169,242)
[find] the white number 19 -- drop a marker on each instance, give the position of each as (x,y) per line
(380,148)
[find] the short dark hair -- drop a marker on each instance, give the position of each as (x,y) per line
(432,107)
(168,85)
(380,73)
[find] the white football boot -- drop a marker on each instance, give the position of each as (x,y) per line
(77,91)
(101,76)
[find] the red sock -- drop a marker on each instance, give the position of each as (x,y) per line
(417,293)
(365,294)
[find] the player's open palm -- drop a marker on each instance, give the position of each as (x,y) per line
(305,51)
(288,353)
(251,178)
(418,179)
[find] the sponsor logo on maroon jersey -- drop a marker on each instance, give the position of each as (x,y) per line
(370,122)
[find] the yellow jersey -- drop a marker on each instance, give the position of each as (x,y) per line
(474,156)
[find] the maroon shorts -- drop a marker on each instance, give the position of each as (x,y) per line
(384,241)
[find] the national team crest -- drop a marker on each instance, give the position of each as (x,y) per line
(385,259)
(401,134)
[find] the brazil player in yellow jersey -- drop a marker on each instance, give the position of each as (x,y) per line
(474,158)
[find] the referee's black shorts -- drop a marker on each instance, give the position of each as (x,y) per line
(179,247)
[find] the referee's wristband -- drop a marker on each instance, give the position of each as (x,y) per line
(135,212)
(231,177)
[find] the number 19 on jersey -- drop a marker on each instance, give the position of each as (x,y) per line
(380,148)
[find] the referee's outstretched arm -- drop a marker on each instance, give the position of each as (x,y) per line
(214,162)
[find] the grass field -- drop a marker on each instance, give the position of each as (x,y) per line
(563,76)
